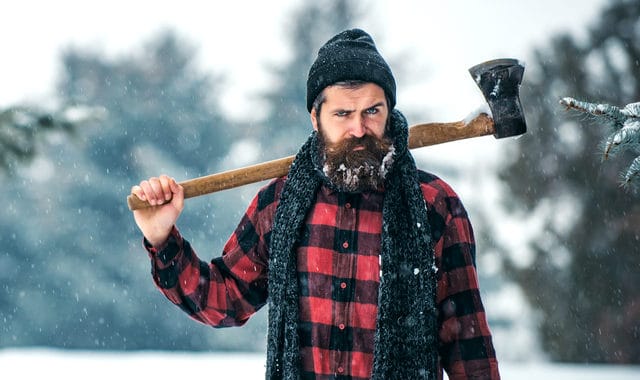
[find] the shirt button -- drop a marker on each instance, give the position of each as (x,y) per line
(343,285)
(345,245)
(340,369)
(341,326)
(347,205)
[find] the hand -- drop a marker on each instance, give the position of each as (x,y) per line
(166,198)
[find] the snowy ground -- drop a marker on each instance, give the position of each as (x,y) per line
(72,365)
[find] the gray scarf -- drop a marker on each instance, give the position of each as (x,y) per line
(406,328)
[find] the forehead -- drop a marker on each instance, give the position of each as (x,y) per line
(361,94)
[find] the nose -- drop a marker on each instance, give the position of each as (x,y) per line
(357,128)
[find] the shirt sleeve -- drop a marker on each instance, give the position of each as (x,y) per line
(465,342)
(228,290)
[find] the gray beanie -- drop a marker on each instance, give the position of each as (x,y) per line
(349,55)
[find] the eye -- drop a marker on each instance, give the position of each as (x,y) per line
(341,113)
(372,110)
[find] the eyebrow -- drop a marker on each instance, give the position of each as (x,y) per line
(379,104)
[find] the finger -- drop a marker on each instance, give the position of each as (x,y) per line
(156,189)
(165,186)
(178,194)
(138,192)
(175,187)
(147,192)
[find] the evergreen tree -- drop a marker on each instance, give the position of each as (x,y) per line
(585,259)
(75,273)
(154,98)
(24,128)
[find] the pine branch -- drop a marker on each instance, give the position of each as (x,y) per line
(22,129)
(625,136)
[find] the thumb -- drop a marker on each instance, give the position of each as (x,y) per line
(178,194)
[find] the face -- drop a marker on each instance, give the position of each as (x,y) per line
(352,112)
(351,124)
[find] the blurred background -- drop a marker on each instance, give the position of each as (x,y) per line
(94,98)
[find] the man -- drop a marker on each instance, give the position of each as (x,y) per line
(367,263)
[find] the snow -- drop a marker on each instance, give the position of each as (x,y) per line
(49,363)
(483,108)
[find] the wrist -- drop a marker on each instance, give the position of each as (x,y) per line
(158,244)
(158,240)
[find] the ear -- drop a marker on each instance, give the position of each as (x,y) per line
(314,119)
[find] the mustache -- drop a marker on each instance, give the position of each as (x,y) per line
(348,146)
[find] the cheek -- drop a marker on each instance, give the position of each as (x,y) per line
(332,133)
(335,137)
(380,131)
(378,127)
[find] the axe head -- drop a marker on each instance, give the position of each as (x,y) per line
(499,80)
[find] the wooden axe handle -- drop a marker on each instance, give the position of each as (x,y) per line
(419,135)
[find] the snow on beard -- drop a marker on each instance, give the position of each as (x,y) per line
(357,170)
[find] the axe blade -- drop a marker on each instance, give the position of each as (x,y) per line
(499,80)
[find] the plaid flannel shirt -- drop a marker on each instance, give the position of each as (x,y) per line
(338,271)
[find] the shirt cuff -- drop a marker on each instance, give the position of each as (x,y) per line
(168,250)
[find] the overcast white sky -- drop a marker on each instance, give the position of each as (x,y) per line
(442,39)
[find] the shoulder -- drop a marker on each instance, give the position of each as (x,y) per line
(262,207)
(269,194)
(439,195)
(434,187)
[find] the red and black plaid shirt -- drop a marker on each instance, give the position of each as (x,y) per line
(338,272)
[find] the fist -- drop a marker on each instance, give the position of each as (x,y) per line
(166,197)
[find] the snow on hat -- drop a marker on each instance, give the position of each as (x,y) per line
(349,55)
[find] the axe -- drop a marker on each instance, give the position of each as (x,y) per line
(499,80)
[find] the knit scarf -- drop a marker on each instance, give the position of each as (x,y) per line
(405,344)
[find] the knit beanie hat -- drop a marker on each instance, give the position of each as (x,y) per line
(349,55)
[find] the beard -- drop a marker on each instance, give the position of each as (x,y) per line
(357,170)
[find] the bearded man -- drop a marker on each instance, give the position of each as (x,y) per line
(367,264)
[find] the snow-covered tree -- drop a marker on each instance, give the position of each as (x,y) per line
(23,130)
(624,126)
